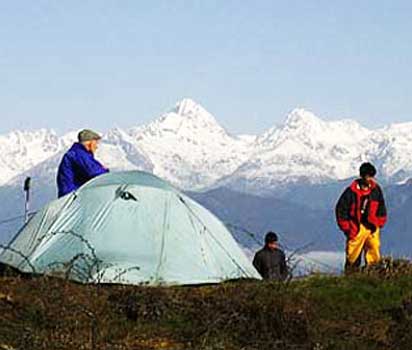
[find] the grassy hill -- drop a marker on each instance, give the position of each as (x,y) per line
(369,310)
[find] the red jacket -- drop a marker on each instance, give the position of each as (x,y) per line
(357,206)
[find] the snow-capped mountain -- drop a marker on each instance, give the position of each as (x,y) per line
(304,149)
(392,151)
(22,150)
(307,149)
(188,147)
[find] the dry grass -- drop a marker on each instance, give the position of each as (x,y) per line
(369,310)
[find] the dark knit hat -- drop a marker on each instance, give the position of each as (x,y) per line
(367,169)
(88,135)
(271,237)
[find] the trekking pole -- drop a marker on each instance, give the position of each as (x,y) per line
(27,198)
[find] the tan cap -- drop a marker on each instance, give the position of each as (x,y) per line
(88,135)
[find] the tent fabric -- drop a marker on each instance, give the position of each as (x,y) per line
(131,228)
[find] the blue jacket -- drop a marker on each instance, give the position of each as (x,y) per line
(76,168)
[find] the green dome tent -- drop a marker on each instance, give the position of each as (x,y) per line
(132,228)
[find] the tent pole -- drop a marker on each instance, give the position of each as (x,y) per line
(27,198)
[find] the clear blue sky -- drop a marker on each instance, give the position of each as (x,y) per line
(68,64)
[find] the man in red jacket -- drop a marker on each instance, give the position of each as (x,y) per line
(360,214)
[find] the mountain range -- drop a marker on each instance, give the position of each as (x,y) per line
(188,147)
(299,166)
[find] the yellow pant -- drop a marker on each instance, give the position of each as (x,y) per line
(365,241)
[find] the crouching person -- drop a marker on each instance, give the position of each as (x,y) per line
(270,261)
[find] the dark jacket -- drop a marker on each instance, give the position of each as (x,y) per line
(271,264)
(357,206)
(76,168)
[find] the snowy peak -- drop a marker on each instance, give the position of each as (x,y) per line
(301,118)
(21,150)
(297,121)
(189,116)
(188,107)
(189,147)
(305,149)
(305,124)
(305,127)
(30,141)
(186,120)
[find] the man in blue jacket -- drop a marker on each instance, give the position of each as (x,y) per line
(78,164)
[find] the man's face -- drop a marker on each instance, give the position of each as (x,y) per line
(94,145)
(91,145)
(272,245)
(369,179)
